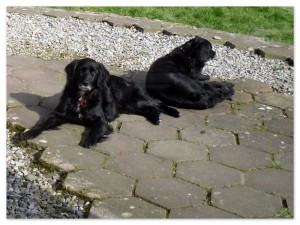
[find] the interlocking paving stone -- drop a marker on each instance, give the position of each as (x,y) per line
(258,111)
(71,158)
(272,181)
(18,61)
(265,141)
(35,74)
(282,126)
(26,116)
(201,211)
(170,192)
(122,208)
(285,160)
(120,143)
(58,137)
(47,88)
(99,183)
(130,118)
(276,99)
(251,86)
(140,165)
(246,202)
(208,174)
(220,108)
(241,97)
(177,150)
(232,123)
(187,119)
(240,157)
(146,131)
(15,85)
(207,135)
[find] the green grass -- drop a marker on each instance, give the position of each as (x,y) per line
(271,23)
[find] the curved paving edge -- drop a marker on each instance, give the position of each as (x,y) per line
(271,49)
(196,166)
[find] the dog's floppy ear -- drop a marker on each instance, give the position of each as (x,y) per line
(70,70)
(102,74)
(203,48)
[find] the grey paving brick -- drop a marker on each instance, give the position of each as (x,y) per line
(282,126)
(139,165)
(285,160)
(220,108)
(251,86)
(130,118)
(34,74)
(266,141)
(48,88)
(19,61)
(125,208)
(187,119)
(70,158)
(241,97)
(15,85)
(246,202)
(258,111)
(146,131)
(272,181)
(207,135)
(26,116)
(99,183)
(58,137)
(240,157)
(208,174)
(170,192)
(200,212)
(232,123)
(177,150)
(276,99)
(120,143)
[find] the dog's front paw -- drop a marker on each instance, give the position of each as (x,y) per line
(88,144)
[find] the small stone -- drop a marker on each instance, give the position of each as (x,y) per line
(229,45)
(217,38)
(259,52)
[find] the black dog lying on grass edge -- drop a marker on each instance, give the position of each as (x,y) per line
(176,78)
(92,98)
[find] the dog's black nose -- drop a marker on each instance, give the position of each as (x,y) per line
(85,83)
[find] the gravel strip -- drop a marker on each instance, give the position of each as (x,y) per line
(49,37)
(30,192)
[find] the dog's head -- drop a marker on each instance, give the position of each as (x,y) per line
(86,74)
(202,49)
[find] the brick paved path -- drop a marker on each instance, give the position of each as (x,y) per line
(234,160)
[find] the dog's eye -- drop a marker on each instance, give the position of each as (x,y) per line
(83,69)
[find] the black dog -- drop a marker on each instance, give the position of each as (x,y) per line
(92,97)
(176,78)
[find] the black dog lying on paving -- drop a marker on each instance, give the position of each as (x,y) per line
(92,97)
(176,78)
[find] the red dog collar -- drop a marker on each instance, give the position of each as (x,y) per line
(82,101)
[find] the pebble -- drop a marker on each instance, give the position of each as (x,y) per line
(54,38)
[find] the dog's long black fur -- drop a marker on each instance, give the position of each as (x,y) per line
(176,78)
(92,97)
